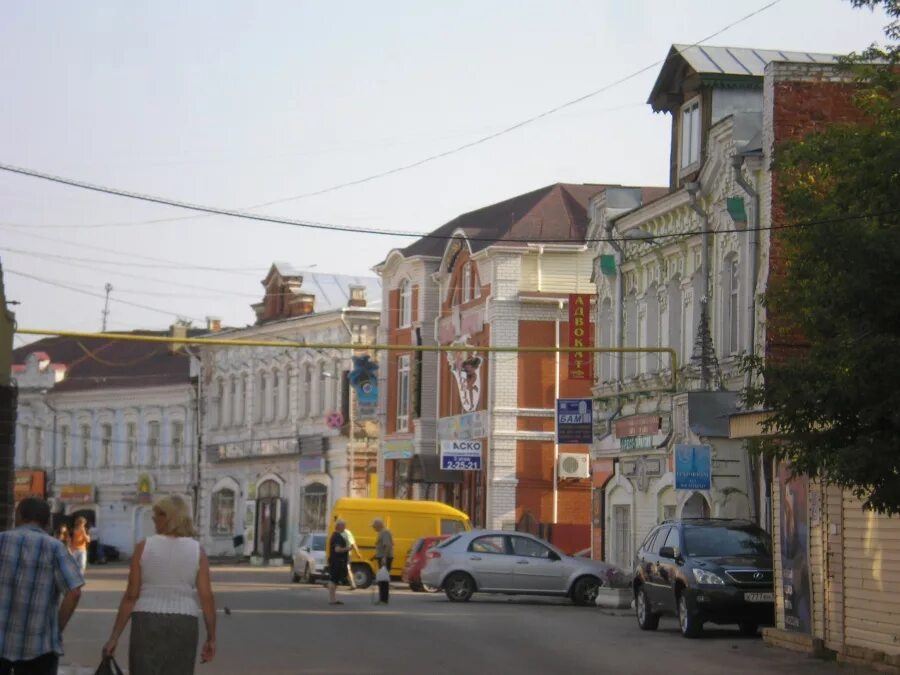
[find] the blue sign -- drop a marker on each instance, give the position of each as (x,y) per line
(574,420)
(364,380)
(461,455)
(693,467)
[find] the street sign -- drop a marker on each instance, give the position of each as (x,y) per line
(461,455)
(574,420)
(693,467)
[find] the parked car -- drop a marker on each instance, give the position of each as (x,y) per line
(309,561)
(415,561)
(705,570)
(512,563)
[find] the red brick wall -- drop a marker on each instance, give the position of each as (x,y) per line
(798,109)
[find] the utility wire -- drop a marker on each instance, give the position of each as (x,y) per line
(97,261)
(59,284)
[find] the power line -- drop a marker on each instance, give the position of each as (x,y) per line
(101,296)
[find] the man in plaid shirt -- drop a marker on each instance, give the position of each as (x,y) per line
(35,570)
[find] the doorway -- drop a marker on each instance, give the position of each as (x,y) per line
(269,519)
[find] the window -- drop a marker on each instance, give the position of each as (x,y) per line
(336,385)
(261,397)
(290,382)
(232,400)
(131,443)
(85,444)
(467,282)
(307,389)
(276,399)
(175,457)
(529,548)
(452,526)
(152,443)
(731,305)
(403,393)
(404,316)
(705,541)
(690,134)
(490,544)
(38,446)
(106,445)
(220,403)
(323,387)
(476,284)
(647,546)
(245,397)
(315,507)
(237,405)
(222,522)
(65,445)
(672,541)
(669,511)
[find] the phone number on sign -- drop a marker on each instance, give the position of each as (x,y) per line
(461,463)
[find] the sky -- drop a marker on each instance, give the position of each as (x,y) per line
(235,104)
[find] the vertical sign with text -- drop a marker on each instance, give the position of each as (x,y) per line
(581,364)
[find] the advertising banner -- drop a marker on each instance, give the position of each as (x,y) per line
(461,455)
(574,420)
(76,494)
(364,380)
(581,334)
(693,467)
(794,544)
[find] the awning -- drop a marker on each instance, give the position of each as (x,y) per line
(427,469)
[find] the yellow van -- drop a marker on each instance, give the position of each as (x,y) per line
(406,519)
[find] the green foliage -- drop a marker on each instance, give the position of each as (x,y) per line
(836,403)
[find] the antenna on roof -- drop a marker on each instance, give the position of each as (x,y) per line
(108,288)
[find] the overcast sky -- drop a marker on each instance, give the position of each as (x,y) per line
(235,104)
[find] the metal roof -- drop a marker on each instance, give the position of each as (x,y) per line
(741,60)
(332,291)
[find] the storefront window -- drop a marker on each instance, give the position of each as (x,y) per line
(315,506)
(223,512)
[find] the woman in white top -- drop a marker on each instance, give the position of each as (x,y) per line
(169,573)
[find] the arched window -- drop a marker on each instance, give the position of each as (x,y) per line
(307,390)
(274,413)
(290,381)
(84,436)
(631,334)
(650,337)
(65,445)
(336,384)
(675,309)
(260,399)
(106,445)
(237,401)
(219,404)
(404,308)
(730,302)
(152,444)
(314,500)
(466,282)
(222,521)
(268,489)
(321,399)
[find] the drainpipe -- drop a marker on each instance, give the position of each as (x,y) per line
(693,189)
(556,439)
(737,163)
(620,301)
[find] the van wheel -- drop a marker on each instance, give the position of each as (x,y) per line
(459,587)
(362,575)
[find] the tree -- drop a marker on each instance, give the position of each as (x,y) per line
(836,402)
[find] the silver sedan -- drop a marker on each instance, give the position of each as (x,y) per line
(487,561)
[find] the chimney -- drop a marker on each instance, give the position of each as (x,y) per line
(179,330)
(213,324)
(357,296)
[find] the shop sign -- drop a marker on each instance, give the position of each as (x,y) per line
(467,427)
(30,484)
(461,455)
(581,334)
(76,494)
(144,489)
(638,425)
(635,442)
(574,420)
(401,449)
(364,380)
(693,467)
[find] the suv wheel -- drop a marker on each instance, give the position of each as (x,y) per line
(459,587)
(690,625)
(646,619)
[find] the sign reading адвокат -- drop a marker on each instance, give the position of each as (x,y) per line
(693,467)
(461,455)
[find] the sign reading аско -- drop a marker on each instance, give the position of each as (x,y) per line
(581,364)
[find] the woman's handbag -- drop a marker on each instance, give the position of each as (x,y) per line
(108,666)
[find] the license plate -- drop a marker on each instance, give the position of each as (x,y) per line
(759,597)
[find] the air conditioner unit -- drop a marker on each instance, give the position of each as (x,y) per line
(573,465)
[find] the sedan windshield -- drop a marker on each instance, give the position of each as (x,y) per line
(706,542)
(318,542)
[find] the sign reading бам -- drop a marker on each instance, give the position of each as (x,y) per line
(574,420)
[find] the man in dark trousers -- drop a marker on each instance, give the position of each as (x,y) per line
(35,570)
(384,553)
(338,560)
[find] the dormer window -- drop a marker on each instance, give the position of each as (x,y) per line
(405,308)
(690,133)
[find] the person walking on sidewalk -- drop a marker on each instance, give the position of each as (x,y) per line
(353,548)
(35,570)
(78,543)
(169,572)
(384,553)
(338,561)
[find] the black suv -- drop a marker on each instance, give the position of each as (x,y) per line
(705,570)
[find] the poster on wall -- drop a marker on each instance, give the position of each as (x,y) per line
(794,541)
(581,364)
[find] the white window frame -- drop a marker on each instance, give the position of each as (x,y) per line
(403,393)
(84,436)
(467,282)
(153,437)
(275,395)
(690,132)
(106,444)
(732,302)
(404,304)
(131,443)
(65,442)
(176,442)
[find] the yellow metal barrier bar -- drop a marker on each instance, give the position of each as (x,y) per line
(226,342)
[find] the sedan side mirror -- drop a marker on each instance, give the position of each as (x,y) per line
(667,552)
(554,556)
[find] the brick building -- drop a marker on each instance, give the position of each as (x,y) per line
(485,280)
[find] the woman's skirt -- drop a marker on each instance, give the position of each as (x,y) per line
(163,644)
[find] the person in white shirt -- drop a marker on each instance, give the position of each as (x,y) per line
(169,573)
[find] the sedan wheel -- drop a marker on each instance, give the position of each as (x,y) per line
(691,627)
(585,592)
(459,587)
(646,619)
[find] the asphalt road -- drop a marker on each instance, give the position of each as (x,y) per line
(278,627)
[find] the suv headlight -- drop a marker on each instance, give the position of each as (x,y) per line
(708,578)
